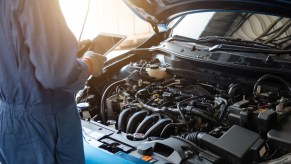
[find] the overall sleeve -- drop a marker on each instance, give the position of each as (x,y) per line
(52,46)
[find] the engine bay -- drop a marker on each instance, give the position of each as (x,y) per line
(176,111)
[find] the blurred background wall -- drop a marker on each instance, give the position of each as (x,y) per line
(111,16)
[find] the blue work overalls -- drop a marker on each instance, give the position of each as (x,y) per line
(39,74)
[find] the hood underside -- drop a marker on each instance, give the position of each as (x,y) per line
(162,11)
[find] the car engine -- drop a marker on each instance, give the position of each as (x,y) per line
(177,111)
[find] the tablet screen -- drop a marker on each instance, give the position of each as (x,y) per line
(105,42)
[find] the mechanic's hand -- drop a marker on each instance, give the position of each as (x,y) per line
(94,62)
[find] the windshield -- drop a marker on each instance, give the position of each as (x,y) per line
(261,28)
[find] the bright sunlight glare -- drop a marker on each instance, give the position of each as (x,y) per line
(111,16)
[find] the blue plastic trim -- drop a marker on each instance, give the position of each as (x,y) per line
(95,155)
(130,158)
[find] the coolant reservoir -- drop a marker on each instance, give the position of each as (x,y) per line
(156,71)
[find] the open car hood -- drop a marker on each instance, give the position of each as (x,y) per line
(162,11)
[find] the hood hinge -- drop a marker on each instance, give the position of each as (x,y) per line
(154,25)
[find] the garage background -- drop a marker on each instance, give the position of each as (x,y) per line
(111,16)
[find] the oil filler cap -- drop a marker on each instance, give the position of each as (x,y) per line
(145,150)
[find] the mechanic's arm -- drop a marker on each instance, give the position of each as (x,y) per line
(53,47)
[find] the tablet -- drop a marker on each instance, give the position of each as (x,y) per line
(106,42)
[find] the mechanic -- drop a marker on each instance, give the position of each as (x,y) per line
(39,74)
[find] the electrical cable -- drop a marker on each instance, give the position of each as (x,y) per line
(85,20)
(180,111)
(168,128)
(104,96)
(106,92)
(270,76)
(205,115)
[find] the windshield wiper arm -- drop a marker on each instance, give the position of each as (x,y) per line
(235,41)
(182,39)
(222,40)
(223,47)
